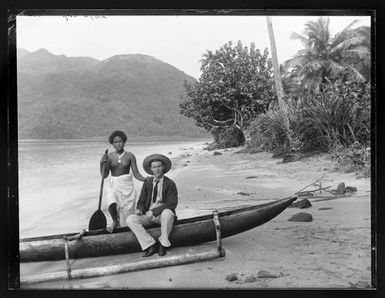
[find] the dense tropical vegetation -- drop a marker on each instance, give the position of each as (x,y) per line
(326,58)
(326,96)
(236,84)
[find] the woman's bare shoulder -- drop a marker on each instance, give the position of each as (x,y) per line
(130,154)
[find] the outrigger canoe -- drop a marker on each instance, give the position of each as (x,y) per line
(189,231)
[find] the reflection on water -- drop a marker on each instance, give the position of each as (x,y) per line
(59,181)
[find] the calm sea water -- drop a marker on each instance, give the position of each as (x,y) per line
(59,181)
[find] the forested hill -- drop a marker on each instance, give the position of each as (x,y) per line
(81,97)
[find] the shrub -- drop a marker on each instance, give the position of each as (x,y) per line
(355,158)
(226,138)
(268,131)
(339,115)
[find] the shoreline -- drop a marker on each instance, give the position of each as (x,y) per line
(130,139)
(332,251)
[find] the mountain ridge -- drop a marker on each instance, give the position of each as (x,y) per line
(80,97)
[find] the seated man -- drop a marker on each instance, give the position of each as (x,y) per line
(156,204)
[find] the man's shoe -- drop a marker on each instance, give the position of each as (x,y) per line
(162,250)
(151,250)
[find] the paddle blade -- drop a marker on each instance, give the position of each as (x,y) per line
(98,221)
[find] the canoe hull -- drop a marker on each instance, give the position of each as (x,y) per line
(185,232)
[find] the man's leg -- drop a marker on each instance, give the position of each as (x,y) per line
(166,221)
(137,223)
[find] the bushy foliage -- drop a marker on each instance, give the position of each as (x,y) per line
(339,115)
(226,137)
(356,158)
(236,84)
(268,131)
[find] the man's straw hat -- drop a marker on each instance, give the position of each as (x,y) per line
(147,162)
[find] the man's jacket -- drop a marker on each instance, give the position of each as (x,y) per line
(169,196)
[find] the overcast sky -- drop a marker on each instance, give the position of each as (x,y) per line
(177,40)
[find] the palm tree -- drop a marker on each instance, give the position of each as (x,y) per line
(359,56)
(324,57)
(277,77)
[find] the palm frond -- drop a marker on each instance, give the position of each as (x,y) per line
(296,61)
(314,65)
(308,52)
(348,43)
(301,38)
(361,51)
(342,35)
(334,67)
(324,30)
(355,73)
(365,33)
(317,40)
(311,27)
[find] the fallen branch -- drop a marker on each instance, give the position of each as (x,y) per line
(310,184)
(310,191)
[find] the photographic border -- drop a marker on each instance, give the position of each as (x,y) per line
(11,133)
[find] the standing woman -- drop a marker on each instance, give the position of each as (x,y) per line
(121,195)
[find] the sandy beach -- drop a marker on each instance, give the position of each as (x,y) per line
(332,251)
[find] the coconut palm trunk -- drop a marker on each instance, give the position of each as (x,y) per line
(278,82)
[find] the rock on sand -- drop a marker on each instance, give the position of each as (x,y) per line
(340,188)
(305,203)
(266,274)
(232,277)
(301,217)
(250,278)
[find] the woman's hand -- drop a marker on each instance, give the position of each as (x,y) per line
(147,179)
(104,159)
(138,212)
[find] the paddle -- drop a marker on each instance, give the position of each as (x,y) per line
(98,220)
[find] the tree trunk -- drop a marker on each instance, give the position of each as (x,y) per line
(277,77)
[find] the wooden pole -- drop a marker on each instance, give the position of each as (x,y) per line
(123,268)
(221,251)
(68,265)
(66,250)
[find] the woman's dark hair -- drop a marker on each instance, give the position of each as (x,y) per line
(117,133)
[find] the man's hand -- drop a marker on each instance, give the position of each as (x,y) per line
(149,214)
(138,212)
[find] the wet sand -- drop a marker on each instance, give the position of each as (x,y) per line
(332,251)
